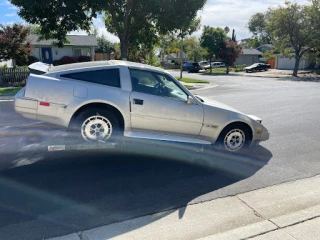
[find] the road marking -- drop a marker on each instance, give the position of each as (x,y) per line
(7,100)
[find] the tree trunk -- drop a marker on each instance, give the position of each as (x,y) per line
(227,67)
(210,66)
(296,66)
(123,49)
(181,59)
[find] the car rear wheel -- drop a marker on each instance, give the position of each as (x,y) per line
(234,138)
(97,125)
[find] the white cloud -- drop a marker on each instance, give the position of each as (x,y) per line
(4,3)
(13,8)
(234,14)
(10,14)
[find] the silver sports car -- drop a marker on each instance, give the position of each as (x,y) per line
(107,99)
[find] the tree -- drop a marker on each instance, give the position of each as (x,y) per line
(229,53)
(13,43)
(125,18)
(34,29)
(213,40)
(186,28)
(295,29)
(257,26)
(193,49)
(104,45)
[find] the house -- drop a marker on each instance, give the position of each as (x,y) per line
(248,57)
(175,56)
(79,45)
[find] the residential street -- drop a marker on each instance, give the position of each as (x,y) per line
(59,193)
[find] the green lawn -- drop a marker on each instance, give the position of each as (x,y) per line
(188,86)
(221,71)
(190,80)
(8,91)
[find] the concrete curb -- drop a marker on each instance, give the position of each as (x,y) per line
(6,98)
(260,213)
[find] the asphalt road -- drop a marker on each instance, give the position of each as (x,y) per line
(50,194)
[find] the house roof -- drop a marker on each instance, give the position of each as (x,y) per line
(251,51)
(75,40)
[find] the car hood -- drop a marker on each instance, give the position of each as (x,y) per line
(213,103)
(249,67)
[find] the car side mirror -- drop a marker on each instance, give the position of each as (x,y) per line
(190,100)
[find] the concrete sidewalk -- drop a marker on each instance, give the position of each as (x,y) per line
(286,211)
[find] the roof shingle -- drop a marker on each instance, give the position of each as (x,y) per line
(75,40)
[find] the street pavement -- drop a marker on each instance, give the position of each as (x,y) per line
(60,193)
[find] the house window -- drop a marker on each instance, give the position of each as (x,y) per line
(35,53)
(81,52)
(77,52)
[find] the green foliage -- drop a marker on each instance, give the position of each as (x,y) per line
(131,20)
(191,80)
(295,29)
(269,54)
(239,68)
(318,71)
(213,40)
(14,43)
(104,45)
(258,27)
(30,60)
(193,49)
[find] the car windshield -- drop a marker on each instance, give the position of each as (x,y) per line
(159,119)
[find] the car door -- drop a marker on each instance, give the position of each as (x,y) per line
(159,105)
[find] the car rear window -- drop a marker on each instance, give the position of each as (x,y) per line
(108,77)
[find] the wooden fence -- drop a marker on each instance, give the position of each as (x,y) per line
(103,56)
(13,77)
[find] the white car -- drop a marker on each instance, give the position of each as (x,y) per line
(104,100)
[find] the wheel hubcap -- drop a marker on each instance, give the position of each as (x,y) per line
(96,128)
(234,140)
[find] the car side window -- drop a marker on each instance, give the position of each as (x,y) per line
(108,77)
(156,84)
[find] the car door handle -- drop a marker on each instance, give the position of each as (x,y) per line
(138,101)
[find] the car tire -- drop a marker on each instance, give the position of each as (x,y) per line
(234,138)
(247,71)
(96,125)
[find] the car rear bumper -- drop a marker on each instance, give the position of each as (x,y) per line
(25,106)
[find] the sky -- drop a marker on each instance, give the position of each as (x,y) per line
(217,13)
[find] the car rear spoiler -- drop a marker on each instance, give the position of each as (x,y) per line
(39,68)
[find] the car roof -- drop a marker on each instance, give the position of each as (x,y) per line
(93,64)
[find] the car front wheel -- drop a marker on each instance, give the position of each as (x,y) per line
(234,138)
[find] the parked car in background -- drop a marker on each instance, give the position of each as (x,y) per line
(257,67)
(187,65)
(214,65)
(103,101)
(203,63)
(195,68)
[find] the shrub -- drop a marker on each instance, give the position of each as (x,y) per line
(84,59)
(66,60)
(56,63)
(318,71)
(24,62)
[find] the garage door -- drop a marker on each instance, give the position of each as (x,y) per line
(287,63)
